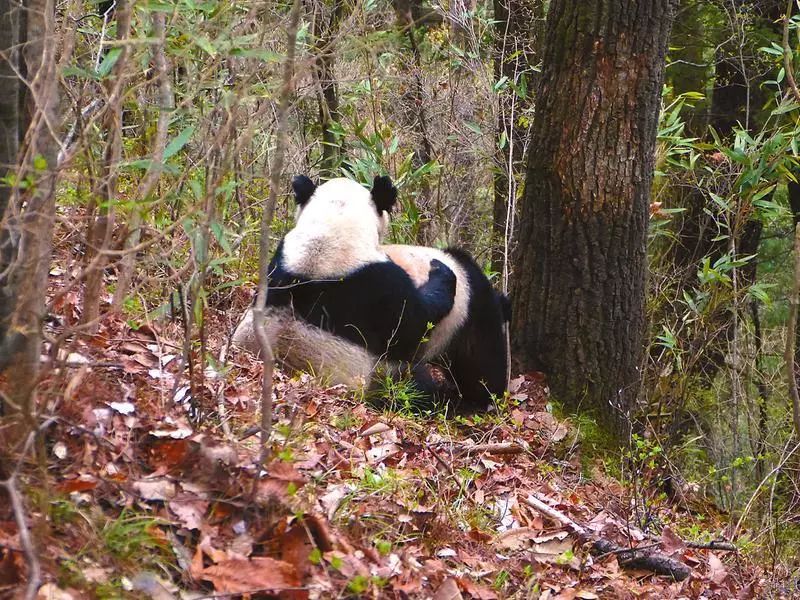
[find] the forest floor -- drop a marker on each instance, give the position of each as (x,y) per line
(141,500)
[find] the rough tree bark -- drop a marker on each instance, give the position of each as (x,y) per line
(10,121)
(580,264)
(27,224)
(325,29)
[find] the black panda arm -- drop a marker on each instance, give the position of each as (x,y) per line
(393,313)
(377,307)
(439,292)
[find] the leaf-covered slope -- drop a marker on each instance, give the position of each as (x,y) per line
(143,500)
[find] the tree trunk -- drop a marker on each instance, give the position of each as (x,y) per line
(793,190)
(10,122)
(579,295)
(106,191)
(28,221)
(325,29)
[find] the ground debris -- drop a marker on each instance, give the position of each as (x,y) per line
(355,503)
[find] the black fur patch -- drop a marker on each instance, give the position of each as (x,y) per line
(303,189)
(476,357)
(505,304)
(384,194)
(377,306)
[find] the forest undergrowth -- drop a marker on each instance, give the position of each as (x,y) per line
(140,501)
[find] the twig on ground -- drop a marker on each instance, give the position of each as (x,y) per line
(633,558)
(719,545)
(441,461)
(497,448)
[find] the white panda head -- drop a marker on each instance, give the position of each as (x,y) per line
(339,226)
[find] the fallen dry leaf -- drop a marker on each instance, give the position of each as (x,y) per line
(716,569)
(189,510)
(477,591)
(155,490)
(670,542)
(50,591)
(239,576)
(448,591)
(560,433)
(334,497)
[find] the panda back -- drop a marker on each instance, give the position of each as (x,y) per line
(415,260)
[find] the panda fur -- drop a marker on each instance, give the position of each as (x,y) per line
(470,342)
(334,295)
(300,346)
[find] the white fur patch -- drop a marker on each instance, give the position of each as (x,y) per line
(303,347)
(337,232)
(415,260)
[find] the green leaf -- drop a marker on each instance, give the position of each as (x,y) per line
(786,107)
(501,83)
(74,71)
(219,235)
(774,51)
(259,53)
(473,127)
(205,44)
(179,142)
(112,56)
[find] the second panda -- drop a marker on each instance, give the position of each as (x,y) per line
(311,332)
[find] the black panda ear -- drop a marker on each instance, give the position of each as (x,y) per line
(303,189)
(384,194)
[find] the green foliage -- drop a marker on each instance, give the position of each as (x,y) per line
(400,395)
(132,536)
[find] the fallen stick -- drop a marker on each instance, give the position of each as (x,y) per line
(506,448)
(719,545)
(633,558)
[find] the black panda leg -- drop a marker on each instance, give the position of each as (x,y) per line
(479,370)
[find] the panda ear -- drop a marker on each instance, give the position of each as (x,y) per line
(384,194)
(303,189)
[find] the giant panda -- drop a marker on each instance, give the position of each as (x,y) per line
(468,343)
(335,298)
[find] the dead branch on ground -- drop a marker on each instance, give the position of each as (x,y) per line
(629,558)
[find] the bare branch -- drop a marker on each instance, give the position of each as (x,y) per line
(632,558)
(266,220)
(787,52)
(791,328)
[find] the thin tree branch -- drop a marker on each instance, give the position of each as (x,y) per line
(266,220)
(791,328)
(166,104)
(25,540)
(787,52)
